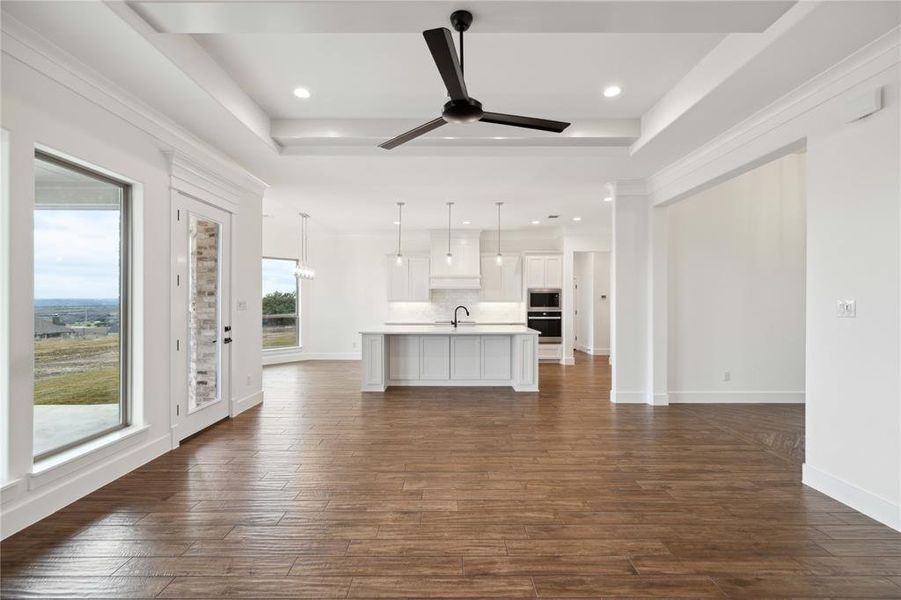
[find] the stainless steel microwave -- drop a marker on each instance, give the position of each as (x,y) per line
(544,299)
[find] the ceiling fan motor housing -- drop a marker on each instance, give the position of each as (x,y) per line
(462,111)
(461,20)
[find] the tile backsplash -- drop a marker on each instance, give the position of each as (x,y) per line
(442,304)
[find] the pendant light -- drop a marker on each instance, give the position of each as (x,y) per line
(500,257)
(399,259)
(304,270)
(449,257)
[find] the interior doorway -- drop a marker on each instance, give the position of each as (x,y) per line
(591,303)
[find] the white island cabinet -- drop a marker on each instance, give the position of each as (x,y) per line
(441,355)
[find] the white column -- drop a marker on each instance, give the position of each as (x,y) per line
(629,265)
(658,281)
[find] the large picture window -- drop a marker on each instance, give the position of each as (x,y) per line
(281,304)
(80,304)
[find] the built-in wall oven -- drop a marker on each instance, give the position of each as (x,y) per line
(544,299)
(549,324)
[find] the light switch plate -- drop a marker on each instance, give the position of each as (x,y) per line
(846,309)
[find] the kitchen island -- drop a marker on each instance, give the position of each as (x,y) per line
(443,355)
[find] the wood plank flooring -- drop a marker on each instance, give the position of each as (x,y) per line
(464,493)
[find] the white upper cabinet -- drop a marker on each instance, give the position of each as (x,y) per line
(501,283)
(409,280)
(553,272)
(544,271)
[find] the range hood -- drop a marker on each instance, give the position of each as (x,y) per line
(464,271)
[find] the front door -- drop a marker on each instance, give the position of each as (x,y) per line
(205,397)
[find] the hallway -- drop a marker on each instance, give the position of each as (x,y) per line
(325,492)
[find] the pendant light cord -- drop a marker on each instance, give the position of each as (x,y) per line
(449,205)
(400,220)
(499,228)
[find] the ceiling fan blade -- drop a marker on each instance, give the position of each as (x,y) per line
(441,45)
(413,133)
(527,122)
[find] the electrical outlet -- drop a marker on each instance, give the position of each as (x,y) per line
(846,309)
(249,380)
(727,375)
(242,304)
(354,345)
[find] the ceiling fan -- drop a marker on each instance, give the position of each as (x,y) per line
(462,108)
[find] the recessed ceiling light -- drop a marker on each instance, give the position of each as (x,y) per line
(302,92)
(467,222)
(536,222)
(612,91)
(577,218)
(608,198)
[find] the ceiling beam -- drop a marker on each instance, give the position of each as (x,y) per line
(745,73)
(292,130)
(492,16)
(188,56)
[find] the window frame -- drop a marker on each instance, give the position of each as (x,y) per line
(297,329)
(125,286)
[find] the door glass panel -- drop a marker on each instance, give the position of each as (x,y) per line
(204,309)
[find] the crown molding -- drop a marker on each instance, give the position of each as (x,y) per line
(694,170)
(33,50)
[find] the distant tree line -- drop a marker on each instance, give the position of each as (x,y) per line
(280,303)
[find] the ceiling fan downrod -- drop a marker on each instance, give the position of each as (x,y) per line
(460,21)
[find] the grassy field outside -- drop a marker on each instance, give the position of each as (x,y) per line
(80,370)
(275,336)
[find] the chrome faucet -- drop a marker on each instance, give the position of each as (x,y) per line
(455,321)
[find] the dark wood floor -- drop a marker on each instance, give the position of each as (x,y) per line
(464,493)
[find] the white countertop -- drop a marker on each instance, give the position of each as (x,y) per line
(448,330)
(447,322)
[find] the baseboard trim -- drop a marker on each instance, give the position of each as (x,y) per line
(618,397)
(568,361)
(248,402)
(738,397)
(304,356)
(593,351)
(659,400)
(859,499)
(50,498)
(334,356)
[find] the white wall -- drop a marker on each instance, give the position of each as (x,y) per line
(37,110)
(853,371)
(736,288)
(853,365)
